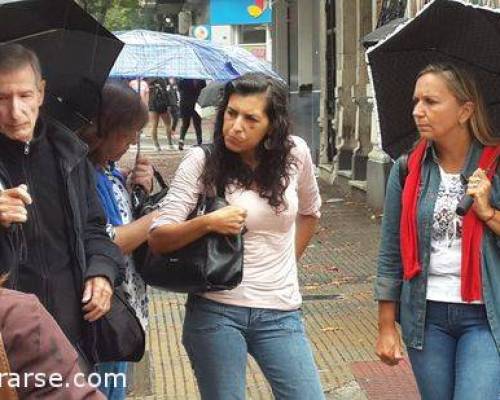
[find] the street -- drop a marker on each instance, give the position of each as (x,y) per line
(336,276)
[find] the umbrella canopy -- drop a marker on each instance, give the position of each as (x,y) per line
(212,94)
(444,31)
(75,51)
(381,33)
(158,54)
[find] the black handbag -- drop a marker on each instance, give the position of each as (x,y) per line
(117,336)
(142,205)
(211,263)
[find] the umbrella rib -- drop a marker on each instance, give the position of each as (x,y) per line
(199,58)
(31,36)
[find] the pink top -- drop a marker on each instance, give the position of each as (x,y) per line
(141,87)
(270,269)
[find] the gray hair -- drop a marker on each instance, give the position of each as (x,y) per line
(14,56)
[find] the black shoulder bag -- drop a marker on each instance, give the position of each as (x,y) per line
(211,263)
(117,336)
(142,204)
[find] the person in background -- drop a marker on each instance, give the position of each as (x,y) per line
(122,116)
(189,90)
(438,273)
(141,87)
(269,182)
(161,98)
(174,108)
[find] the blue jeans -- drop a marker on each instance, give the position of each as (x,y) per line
(113,392)
(459,360)
(217,338)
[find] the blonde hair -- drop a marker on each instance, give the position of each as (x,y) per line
(464,88)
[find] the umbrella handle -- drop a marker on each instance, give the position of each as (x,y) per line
(138,154)
(464,205)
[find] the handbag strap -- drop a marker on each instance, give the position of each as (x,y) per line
(159,178)
(6,392)
(208,149)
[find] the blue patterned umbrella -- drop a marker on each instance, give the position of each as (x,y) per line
(153,54)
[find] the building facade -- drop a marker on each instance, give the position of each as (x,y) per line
(296,35)
(350,152)
(244,23)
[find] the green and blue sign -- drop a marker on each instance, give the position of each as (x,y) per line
(240,12)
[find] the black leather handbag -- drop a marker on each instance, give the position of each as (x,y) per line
(211,263)
(142,204)
(117,336)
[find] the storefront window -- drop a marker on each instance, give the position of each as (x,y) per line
(251,34)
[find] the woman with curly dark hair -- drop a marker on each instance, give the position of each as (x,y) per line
(269,183)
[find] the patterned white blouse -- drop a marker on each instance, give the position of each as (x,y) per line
(133,285)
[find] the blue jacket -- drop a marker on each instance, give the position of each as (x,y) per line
(411,295)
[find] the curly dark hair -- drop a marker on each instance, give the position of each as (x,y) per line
(271,177)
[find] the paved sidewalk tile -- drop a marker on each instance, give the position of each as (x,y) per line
(381,382)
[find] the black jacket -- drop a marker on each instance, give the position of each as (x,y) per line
(92,253)
(190,90)
(12,246)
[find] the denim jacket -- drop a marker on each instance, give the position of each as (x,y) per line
(411,295)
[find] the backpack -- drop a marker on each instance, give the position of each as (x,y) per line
(162,96)
(403,169)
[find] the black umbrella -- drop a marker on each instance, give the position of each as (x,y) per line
(381,33)
(212,94)
(445,31)
(75,51)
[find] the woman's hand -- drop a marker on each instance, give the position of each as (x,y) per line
(142,174)
(479,187)
(229,220)
(389,348)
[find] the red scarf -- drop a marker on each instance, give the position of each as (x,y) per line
(472,229)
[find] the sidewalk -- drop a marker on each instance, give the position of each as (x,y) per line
(336,277)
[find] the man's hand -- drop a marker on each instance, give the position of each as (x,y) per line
(97,298)
(13,204)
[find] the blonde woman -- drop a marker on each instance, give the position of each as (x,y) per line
(441,271)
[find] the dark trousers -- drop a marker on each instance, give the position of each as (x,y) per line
(186,120)
(174,112)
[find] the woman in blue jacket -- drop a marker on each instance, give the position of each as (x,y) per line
(122,116)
